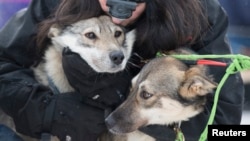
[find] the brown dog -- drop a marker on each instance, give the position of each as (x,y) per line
(166,91)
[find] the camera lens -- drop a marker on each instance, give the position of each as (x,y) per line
(120,12)
(121,9)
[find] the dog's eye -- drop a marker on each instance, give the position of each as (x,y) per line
(118,34)
(146,95)
(91,35)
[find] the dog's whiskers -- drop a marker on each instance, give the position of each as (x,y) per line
(137,55)
(134,64)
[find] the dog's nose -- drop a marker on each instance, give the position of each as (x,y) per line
(116,57)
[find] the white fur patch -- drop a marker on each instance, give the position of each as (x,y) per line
(170,112)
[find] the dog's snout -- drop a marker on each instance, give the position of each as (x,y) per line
(116,57)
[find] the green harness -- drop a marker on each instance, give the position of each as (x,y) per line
(239,63)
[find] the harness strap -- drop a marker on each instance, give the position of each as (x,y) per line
(47,121)
(179,133)
(53,86)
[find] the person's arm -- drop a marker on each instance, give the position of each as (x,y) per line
(18,53)
(232,94)
(230,104)
(17,35)
(231,99)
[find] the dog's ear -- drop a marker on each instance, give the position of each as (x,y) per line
(130,37)
(196,83)
(134,80)
(54,30)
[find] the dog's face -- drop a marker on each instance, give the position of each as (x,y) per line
(164,92)
(102,44)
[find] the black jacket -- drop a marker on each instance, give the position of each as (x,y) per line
(17,55)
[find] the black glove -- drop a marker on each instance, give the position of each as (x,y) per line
(107,89)
(78,120)
(61,115)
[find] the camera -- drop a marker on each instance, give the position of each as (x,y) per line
(122,9)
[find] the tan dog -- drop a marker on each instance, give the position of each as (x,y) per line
(166,91)
(102,44)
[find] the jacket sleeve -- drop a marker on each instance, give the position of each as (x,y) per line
(229,109)
(17,54)
(232,94)
(231,97)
